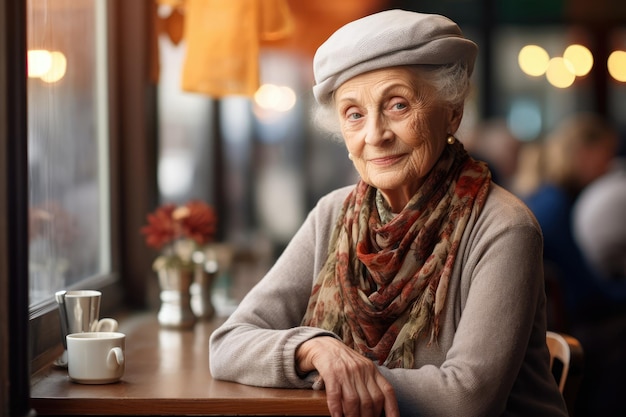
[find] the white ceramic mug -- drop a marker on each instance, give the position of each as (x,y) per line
(96,357)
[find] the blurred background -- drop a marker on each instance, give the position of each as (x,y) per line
(120,115)
(272,158)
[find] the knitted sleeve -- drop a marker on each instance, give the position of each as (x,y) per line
(257,343)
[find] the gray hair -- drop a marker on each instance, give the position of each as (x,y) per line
(451,82)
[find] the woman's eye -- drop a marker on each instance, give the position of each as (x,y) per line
(354,116)
(399,106)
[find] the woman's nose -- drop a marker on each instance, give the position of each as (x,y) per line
(377,131)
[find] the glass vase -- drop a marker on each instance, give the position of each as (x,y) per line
(206,269)
(175,310)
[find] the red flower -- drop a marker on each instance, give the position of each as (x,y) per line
(161,227)
(199,223)
(195,220)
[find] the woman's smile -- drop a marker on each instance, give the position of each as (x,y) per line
(385,161)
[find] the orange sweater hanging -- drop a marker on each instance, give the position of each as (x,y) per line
(223,40)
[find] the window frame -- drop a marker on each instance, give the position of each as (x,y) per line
(14,382)
(44,326)
(31,340)
(132,162)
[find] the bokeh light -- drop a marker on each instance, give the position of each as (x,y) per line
(57,68)
(533,60)
(39,62)
(274,97)
(50,66)
(580,58)
(524,119)
(616,65)
(560,73)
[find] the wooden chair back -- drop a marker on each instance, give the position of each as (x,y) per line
(566,362)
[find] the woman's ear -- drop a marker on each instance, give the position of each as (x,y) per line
(454,118)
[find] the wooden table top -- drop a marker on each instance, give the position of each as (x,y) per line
(167,373)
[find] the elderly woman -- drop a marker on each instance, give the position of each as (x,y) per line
(419,290)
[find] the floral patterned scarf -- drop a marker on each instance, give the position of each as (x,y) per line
(384,283)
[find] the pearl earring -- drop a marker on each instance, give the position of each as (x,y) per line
(350,156)
(451,139)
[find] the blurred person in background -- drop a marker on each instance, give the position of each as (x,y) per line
(599,220)
(576,153)
(493,142)
(527,176)
(418,290)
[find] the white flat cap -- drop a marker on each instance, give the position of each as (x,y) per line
(388,39)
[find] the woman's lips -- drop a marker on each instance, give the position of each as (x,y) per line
(386,160)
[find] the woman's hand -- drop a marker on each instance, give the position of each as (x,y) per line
(354,386)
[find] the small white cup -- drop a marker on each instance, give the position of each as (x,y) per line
(96,357)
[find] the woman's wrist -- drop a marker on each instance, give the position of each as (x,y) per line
(302,358)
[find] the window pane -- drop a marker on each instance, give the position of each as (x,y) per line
(67,144)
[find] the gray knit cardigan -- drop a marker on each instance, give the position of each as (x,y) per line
(490,358)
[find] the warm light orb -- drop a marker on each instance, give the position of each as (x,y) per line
(616,65)
(39,62)
(533,60)
(560,73)
(267,96)
(57,68)
(274,97)
(287,99)
(580,58)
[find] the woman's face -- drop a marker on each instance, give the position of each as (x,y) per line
(395,129)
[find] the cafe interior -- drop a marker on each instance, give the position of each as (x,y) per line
(113,112)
